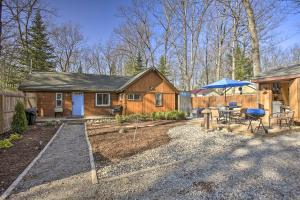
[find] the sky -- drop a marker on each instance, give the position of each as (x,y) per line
(98,18)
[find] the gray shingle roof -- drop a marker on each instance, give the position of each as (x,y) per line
(282,71)
(59,81)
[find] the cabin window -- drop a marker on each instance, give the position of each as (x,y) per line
(158,99)
(58,100)
(102,99)
(134,97)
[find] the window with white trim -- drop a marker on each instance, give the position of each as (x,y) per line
(58,100)
(158,99)
(134,97)
(102,99)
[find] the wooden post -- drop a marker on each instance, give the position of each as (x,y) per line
(207,117)
(1,113)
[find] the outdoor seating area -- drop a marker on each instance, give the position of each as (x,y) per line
(272,109)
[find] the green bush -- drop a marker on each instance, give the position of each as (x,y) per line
(19,123)
(169,115)
(48,124)
(4,144)
(14,137)
(121,118)
(118,118)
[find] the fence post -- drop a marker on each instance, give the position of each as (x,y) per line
(1,113)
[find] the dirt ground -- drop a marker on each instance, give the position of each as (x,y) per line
(15,159)
(109,145)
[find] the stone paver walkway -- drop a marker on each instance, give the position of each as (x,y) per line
(66,160)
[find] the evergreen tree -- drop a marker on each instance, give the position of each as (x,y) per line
(133,67)
(19,123)
(163,67)
(244,69)
(138,65)
(41,52)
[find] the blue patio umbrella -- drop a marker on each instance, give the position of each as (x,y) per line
(226,83)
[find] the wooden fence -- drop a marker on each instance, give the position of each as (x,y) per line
(245,101)
(8,101)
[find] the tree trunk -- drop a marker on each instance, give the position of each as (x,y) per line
(234,42)
(185,58)
(254,37)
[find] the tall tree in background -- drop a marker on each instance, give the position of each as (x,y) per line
(41,52)
(163,67)
(243,66)
(254,37)
(134,66)
(67,40)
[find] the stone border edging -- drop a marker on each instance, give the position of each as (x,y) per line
(8,191)
(93,168)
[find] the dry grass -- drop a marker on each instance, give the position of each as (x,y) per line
(112,146)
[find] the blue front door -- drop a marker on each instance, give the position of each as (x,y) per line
(78,104)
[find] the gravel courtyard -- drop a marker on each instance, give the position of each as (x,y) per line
(214,165)
(194,165)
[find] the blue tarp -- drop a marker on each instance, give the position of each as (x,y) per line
(226,83)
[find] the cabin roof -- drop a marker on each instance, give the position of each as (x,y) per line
(62,81)
(281,73)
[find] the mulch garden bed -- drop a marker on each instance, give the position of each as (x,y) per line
(110,146)
(15,159)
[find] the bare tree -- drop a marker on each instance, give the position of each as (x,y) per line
(254,37)
(67,40)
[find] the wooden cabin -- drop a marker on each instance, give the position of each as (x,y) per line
(74,94)
(279,88)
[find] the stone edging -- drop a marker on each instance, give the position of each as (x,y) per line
(93,168)
(21,176)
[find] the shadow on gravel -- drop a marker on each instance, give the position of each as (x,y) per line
(260,167)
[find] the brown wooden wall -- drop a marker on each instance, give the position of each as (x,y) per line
(90,108)
(147,86)
(46,104)
(246,101)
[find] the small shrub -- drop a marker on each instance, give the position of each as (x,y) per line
(121,119)
(48,124)
(118,118)
(14,137)
(181,115)
(153,116)
(4,144)
(19,123)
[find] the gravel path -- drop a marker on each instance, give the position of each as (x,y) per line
(64,163)
(213,165)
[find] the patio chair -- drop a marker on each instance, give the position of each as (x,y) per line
(232,105)
(238,116)
(221,115)
(287,119)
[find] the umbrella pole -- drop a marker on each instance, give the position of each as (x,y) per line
(225,98)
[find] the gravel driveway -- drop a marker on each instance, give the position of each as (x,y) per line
(214,165)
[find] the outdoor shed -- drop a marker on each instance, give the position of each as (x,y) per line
(280,88)
(76,94)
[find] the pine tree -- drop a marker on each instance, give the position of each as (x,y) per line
(19,123)
(133,67)
(244,69)
(138,65)
(41,52)
(163,67)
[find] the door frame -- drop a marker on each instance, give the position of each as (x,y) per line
(81,94)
